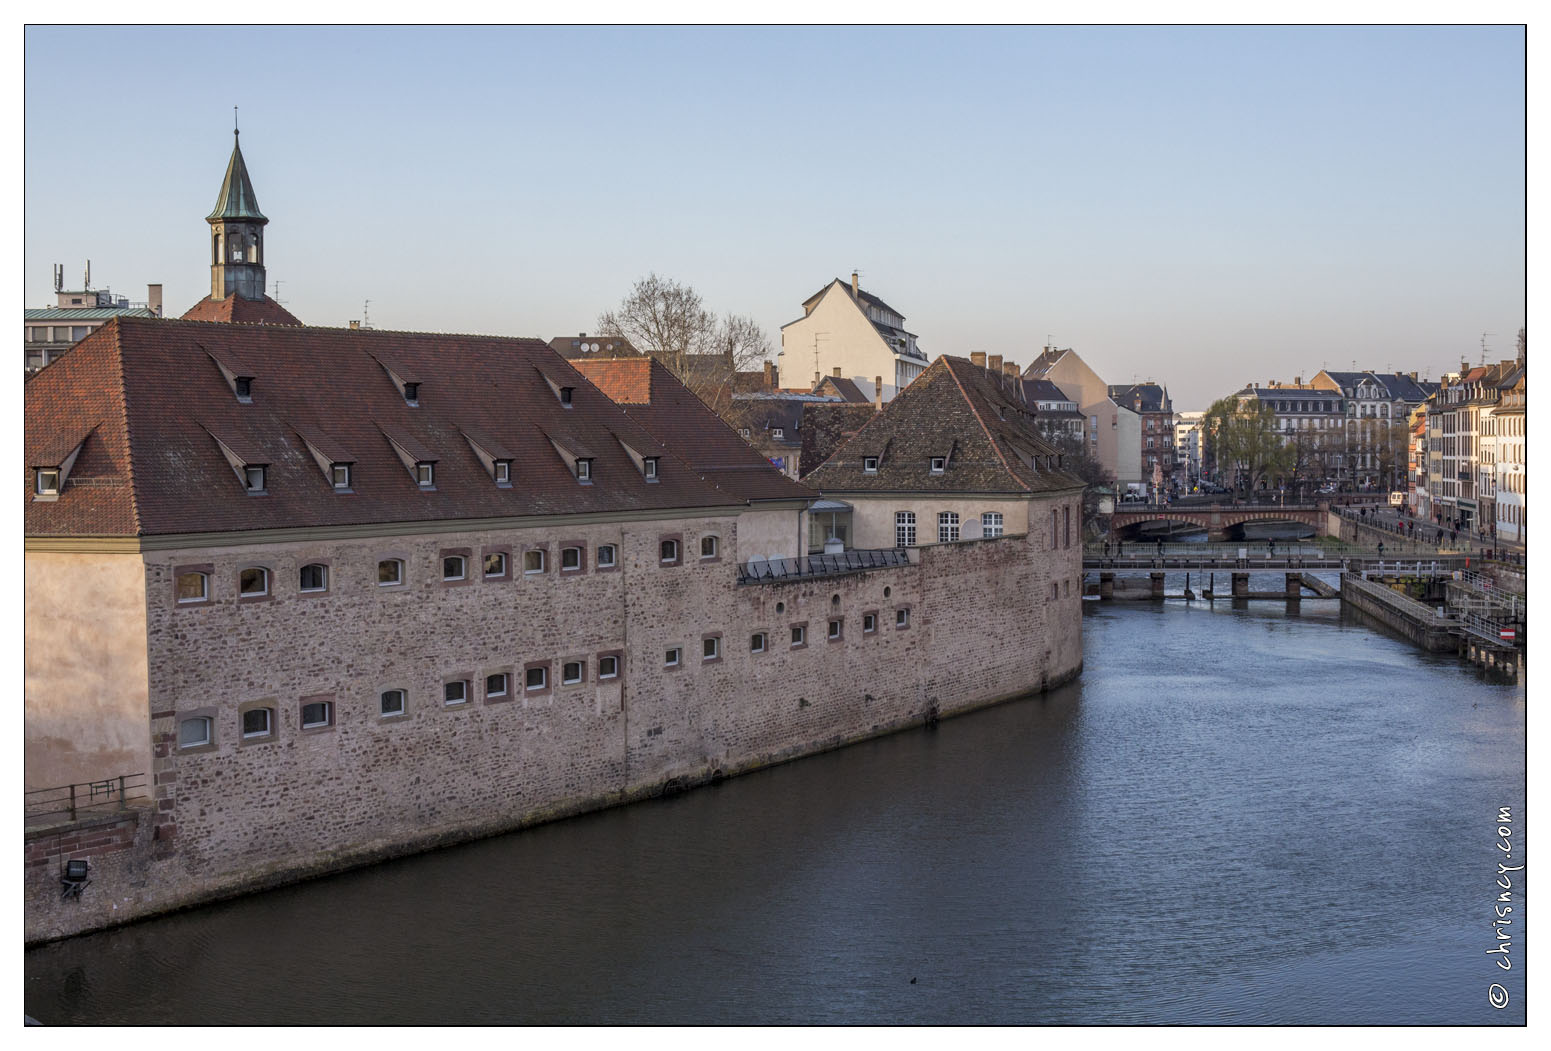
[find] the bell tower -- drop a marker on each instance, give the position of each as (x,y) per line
(236,234)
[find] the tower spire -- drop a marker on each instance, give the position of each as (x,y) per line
(236,231)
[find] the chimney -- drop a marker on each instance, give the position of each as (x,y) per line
(994,363)
(856,285)
(977,358)
(581,335)
(877,394)
(818,378)
(1413,377)
(1464,367)
(837,372)
(153,299)
(1010,369)
(770,376)
(355,325)
(1297,381)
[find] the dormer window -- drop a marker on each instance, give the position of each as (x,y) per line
(412,394)
(253,476)
(243,385)
(649,468)
(503,472)
(939,464)
(47,482)
(777,433)
(340,473)
(565,396)
(743,432)
(869,465)
(583,469)
(425,474)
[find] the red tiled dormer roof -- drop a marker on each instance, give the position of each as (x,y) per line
(681,421)
(242,311)
(162,409)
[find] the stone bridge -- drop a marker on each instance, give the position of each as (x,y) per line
(1219,521)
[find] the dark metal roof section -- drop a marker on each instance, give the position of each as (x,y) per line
(237,200)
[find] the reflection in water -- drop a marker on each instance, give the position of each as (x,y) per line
(1237,815)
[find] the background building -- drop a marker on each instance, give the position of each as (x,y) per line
(76,313)
(845,328)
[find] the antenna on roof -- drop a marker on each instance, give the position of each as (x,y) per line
(366,314)
(1483,345)
(59,276)
(88,280)
(277,293)
(235,131)
(817,374)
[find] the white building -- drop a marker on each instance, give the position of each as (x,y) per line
(853,331)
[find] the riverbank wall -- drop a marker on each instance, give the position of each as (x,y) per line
(797,667)
(1417,623)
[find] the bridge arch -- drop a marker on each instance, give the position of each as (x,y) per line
(1220,522)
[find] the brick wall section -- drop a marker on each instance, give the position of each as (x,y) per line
(245,814)
(118,849)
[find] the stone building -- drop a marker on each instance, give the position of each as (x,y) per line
(338,595)
(845,328)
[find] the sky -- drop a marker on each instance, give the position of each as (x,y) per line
(1202,207)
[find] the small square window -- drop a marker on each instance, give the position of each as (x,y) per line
(670,659)
(584,470)
(341,475)
(608,667)
(649,467)
(48,481)
(412,393)
(835,628)
(757,642)
(244,385)
(256,722)
(317,714)
(255,478)
(496,685)
(425,474)
(799,635)
(605,556)
(390,571)
(455,692)
(571,672)
(902,618)
(570,559)
(869,465)
(533,561)
(711,648)
(709,545)
(195,732)
(869,623)
(743,432)
(193,587)
(669,550)
(537,678)
(454,567)
(503,472)
(391,703)
(253,582)
(314,577)
(495,564)
(939,463)
(777,432)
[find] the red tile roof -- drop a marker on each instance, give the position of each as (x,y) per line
(244,311)
(159,402)
(681,421)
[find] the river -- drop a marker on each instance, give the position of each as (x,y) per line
(1236,815)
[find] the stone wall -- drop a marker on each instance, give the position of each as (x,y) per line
(967,625)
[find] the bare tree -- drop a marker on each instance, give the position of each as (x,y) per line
(1241,437)
(668,321)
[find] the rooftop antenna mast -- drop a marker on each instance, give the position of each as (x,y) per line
(366,314)
(1483,343)
(277,293)
(817,375)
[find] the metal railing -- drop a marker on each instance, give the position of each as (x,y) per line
(820,565)
(92,797)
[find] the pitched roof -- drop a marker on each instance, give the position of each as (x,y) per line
(1044,390)
(582,346)
(824,426)
(237,199)
(954,409)
(653,398)
(842,387)
(1152,397)
(154,466)
(234,308)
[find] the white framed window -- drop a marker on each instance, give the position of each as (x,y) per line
(256,723)
(743,432)
(670,659)
(608,667)
(47,481)
(709,546)
(584,470)
(777,432)
(668,551)
(196,732)
(253,581)
(454,567)
(495,564)
(340,473)
(390,703)
(496,685)
(390,572)
(570,559)
(605,556)
(571,673)
(455,692)
(533,560)
(425,474)
(649,467)
(757,642)
(869,623)
(947,526)
(902,618)
(836,628)
(254,476)
(193,587)
(869,465)
(799,635)
(317,714)
(940,464)
(991,523)
(904,529)
(537,679)
(710,648)
(314,577)
(503,472)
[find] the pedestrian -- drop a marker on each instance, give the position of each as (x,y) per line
(1160,546)
(1106,549)
(1120,548)
(1381,549)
